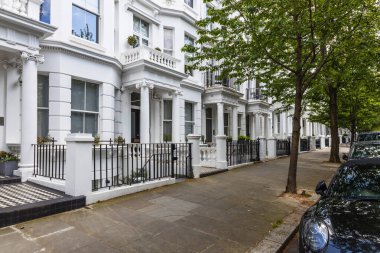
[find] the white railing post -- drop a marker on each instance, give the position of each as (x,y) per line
(323,143)
(221,149)
(79,164)
(272,148)
(263,149)
(312,143)
(194,139)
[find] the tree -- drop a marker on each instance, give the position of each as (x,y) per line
(285,43)
(347,93)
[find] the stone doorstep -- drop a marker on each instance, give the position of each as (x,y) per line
(278,238)
(24,212)
(205,172)
(9,180)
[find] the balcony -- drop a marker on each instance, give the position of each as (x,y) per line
(214,79)
(144,53)
(256,94)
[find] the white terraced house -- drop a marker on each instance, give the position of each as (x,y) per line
(115,68)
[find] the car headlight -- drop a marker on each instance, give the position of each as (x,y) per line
(316,235)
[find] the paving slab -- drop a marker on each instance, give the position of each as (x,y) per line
(228,212)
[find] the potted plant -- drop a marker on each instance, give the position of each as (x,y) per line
(119,140)
(167,137)
(97,139)
(8,163)
(158,49)
(132,41)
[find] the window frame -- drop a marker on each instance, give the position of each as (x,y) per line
(89,11)
(45,18)
(186,55)
(138,35)
(192,121)
(43,108)
(85,112)
(187,2)
(239,118)
(226,127)
(166,50)
(167,120)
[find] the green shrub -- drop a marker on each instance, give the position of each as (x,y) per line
(5,157)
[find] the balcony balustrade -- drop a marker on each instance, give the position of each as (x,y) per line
(151,55)
(214,79)
(256,94)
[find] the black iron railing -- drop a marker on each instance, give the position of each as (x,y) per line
(255,94)
(282,147)
(212,79)
(49,160)
(117,164)
(304,144)
(327,142)
(318,143)
(239,152)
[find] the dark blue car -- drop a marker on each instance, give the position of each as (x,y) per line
(347,216)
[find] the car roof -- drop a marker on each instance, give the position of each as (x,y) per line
(363,161)
(367,142)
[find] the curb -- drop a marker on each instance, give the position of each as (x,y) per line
(279,237)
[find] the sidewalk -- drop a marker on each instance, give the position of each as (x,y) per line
(227,212)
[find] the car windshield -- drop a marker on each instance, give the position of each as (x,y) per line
(369,137)
(365,150)
(357,182)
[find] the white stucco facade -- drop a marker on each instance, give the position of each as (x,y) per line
(109,88)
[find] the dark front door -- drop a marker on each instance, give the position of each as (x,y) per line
(135,126)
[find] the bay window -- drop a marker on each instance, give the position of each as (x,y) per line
(84,107)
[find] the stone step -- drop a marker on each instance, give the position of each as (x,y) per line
(26,201)
(9,180)
(205,172)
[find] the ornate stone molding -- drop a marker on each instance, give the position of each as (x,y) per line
(145,84)
(37,58)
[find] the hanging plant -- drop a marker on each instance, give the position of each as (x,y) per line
(132,41)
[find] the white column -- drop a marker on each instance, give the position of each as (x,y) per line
(275,128)
(126,115)
(107,111)
(79,164)
(144,113)
(307,128)
(253,128)
(59,106)
(13,107)
(28,113)
(175,116)
(157,121)
(257,126)
(220,110)
(235,123)
(268,121)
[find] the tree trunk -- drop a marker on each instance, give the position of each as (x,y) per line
(291,186)
(353,128)
(333,107)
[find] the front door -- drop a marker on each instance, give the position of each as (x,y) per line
(135,126)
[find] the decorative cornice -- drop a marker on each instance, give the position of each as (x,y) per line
(145,84)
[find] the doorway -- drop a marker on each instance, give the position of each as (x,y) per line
(135,126)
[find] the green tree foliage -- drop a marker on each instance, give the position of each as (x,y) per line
(283,43)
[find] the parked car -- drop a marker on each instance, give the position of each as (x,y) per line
(364,149)
(347,216)
(369,136)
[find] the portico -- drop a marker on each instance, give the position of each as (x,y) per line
(19,57)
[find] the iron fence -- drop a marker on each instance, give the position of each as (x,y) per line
(117,164)
(282,147)
(304,144)
(318,143)
(239,152)
(327,142)
(49,160)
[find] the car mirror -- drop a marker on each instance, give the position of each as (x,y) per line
(345,157)
(321,188)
